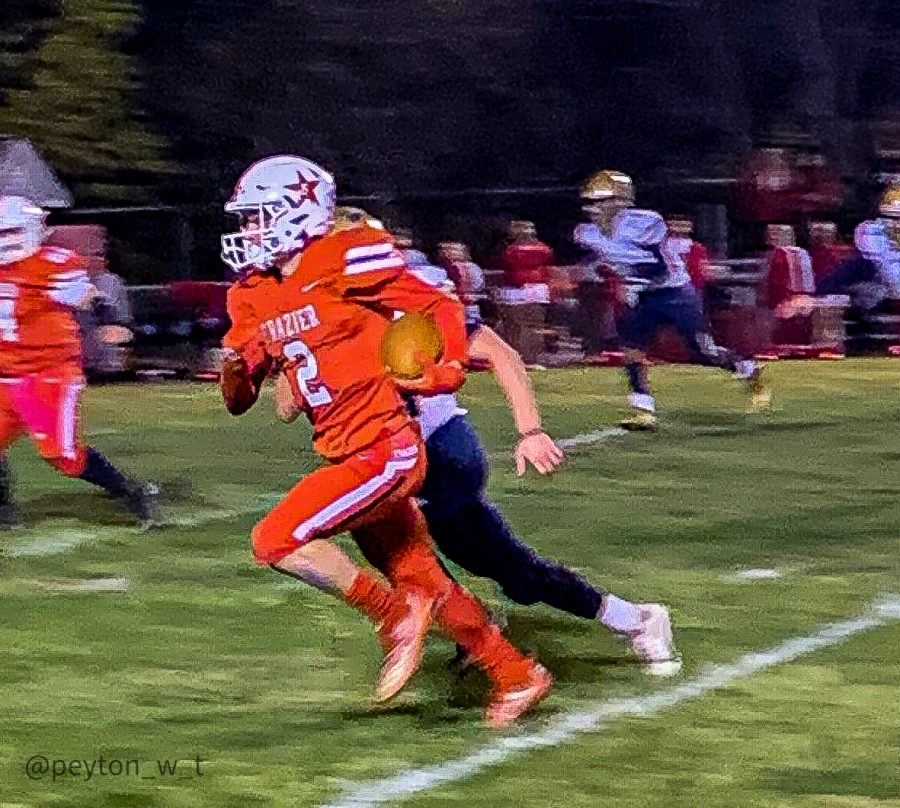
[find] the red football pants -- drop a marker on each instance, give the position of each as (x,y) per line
(45,405)
(365,487)
(371,495)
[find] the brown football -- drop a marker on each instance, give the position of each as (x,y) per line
(407,336)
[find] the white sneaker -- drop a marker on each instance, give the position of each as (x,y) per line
(653,642)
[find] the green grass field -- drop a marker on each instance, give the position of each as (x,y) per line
(194,651)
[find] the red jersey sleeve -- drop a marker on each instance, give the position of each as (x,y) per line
(389,286)
(243,323)
(243,336)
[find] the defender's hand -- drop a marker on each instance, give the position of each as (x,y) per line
(437,377)
(538,449)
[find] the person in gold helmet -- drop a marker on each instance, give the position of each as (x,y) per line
(634,243)
(873,276)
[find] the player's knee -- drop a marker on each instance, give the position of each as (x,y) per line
(270,543)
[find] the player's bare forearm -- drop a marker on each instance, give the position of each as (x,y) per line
(509,369)
(535,447)
(241,386)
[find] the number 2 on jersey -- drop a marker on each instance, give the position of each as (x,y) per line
(9,327)
(312,388)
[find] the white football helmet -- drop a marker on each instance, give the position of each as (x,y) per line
(284,202)
(22,228)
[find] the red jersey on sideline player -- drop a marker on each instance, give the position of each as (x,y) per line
(41,377)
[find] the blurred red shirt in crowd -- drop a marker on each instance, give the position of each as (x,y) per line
(825,249)
(466,275)
(779,186)
(526,259)
(790,267)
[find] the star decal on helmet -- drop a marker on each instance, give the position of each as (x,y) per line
(305,189)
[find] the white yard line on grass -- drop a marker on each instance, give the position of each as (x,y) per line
(61,541)
(599,716)
(84,585)
(755,574)
(587,438)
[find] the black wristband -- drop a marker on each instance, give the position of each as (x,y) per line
(536,431)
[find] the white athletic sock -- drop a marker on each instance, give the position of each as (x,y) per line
(642,401)
(745,368)
(621,616)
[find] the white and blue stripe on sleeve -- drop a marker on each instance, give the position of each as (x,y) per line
(371,258)
(69,288)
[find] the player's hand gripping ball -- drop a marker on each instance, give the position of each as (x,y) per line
(409,339)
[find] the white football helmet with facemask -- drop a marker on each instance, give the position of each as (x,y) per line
(284,202)
(22,229)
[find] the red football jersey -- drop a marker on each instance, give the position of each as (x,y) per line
(38,330)
(527,263)
(790,273)
(323,327)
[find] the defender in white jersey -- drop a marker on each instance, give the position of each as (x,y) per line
(471,531)
(635,244)
(873,275)
(878,241)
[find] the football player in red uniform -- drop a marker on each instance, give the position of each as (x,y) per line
(41,377)
(314,305)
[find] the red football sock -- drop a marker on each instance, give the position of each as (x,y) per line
(467,623)
(370,596)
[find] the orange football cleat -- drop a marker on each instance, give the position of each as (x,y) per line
(402,636)
(514,699)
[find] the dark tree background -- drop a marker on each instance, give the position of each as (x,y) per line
(164,101)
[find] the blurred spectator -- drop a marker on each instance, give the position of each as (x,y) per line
(104,341)
(781,185)
(418,262)
(765,187)
(693,253)
(790,276)
(467,276)
(825,248)
(526,259)
(816,189)
(201,307)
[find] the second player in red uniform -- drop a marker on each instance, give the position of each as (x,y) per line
(41,378)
